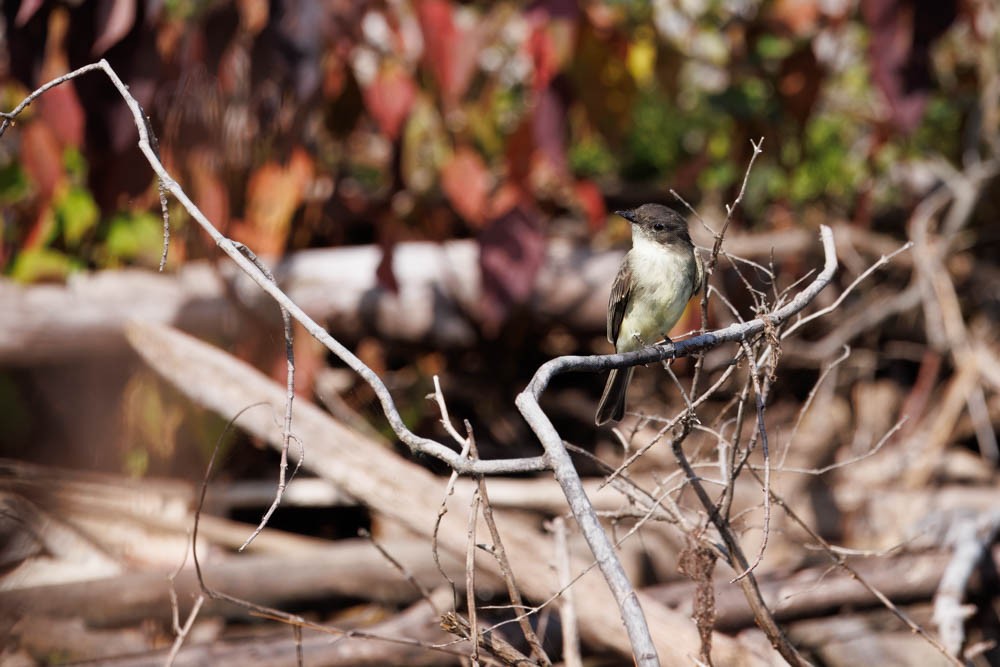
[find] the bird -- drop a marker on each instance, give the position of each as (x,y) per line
(655,281)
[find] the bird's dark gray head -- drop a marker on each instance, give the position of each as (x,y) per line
(658,223)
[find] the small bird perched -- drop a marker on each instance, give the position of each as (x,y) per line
(656,279)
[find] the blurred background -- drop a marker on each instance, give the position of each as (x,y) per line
(435,181)
(308,125)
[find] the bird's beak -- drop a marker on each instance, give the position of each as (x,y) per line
(628,215)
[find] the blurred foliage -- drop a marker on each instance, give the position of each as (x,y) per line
(307,123)
(296,124)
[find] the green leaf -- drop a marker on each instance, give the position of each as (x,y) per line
(14,185)
(134,237)
(77,214)
(39,264)
(75,164)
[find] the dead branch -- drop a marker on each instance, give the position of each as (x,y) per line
(409,638)
(562,465)
(819,592)
(401,491)
(346,569)
(971,539)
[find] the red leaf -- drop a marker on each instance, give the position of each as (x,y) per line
(390,97)
(519,152)
(542,51)
(41,156)
(466,182)
(114,19)
(512,249)
(60,106)
(592,202)
(449,51)
(62,111)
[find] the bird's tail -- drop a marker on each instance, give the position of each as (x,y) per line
(612,405)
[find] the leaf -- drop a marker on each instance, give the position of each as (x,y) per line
(641,59)
(390,97)
(38,264)
(542,51)
(552,44)
(41,156)
(274,192)
(14,183)
(466,182)
(26,11)
(133,237)
(449,51)
(425,147)
(591,200)
(512,249)
(254,15)
(114,20)
(77,213)
(60,107)
(798,17)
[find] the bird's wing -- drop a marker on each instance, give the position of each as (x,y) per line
(699,277)
(619,300)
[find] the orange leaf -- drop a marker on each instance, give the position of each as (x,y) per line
(592,201)
(274,193)
(466,182)
(254,15)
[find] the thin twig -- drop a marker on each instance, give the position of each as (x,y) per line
(416,443)
(841,562)
(417,586)
(508,575)
(759,399)
(286,429)
(809,400)
(882,261)
(470,575)
(182,632)
(567,602)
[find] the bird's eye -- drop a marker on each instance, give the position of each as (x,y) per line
(658,227)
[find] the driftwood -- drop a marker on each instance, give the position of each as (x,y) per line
(439,289)
(406,493)
(406,638)
(820,591)
(350,569)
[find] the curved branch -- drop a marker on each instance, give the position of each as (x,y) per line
(562,465)
(457,462)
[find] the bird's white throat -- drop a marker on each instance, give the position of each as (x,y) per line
(662,281)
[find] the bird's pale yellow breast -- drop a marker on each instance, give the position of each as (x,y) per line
(663,280)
